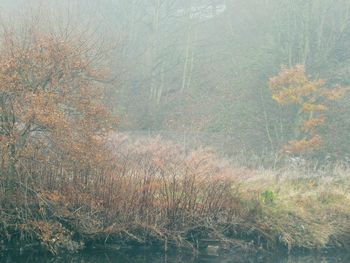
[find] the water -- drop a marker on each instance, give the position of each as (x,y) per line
(149,256)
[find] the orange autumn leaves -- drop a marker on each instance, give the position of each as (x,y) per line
(293,87)
(51,98)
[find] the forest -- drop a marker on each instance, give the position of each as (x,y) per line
(175,124)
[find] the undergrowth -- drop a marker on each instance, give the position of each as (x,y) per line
(152,193)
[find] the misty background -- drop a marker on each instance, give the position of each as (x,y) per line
(200,68)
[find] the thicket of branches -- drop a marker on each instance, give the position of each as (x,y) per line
(64,179)
(66,182)
(53,122)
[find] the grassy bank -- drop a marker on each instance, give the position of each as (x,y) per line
(155,194)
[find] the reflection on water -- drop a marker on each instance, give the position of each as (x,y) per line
(147,256)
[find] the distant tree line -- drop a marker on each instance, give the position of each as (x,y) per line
(211,73)
(205,65)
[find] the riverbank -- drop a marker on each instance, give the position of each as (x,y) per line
(156,195)
(262,211)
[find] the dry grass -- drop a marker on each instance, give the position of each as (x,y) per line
(307,212)
(153,193)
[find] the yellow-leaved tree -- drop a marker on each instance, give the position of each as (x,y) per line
(293,87)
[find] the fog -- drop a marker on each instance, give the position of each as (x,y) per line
(174,130)
(201,68)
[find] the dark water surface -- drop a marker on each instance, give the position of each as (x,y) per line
(147,256)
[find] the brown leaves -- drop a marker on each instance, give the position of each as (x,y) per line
(51,99)
(302,146)
(292,86)
(313,107)
(335,93)
(292,77)
(312,124)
